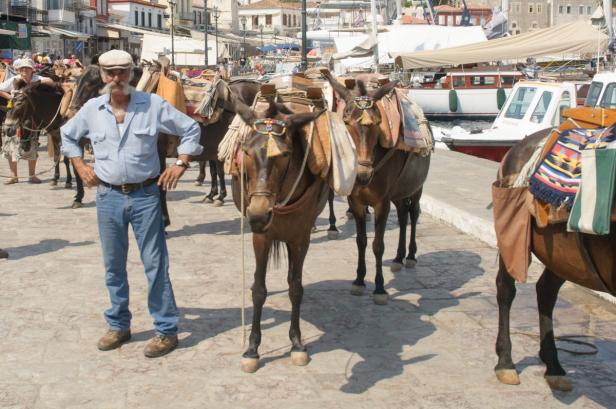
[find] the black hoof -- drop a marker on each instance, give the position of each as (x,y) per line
(68,185)
(76,205)
(54,183)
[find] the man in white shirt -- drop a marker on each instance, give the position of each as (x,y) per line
(11,145)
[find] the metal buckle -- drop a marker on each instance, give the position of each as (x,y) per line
(125,189)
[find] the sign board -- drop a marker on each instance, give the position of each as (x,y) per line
(22,31)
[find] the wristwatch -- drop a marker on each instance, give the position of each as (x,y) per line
(181,163)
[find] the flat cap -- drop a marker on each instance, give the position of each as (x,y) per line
(115,59)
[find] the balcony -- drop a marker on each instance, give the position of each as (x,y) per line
(61,16)
(21,9)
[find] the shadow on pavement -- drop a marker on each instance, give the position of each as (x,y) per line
(42,247)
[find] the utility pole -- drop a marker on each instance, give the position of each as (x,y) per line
(304,63)
(205,15)
(374,35)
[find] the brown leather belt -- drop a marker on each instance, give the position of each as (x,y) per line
(127,188)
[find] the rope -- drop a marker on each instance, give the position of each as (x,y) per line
(301,171)
(48,125)
(568,339)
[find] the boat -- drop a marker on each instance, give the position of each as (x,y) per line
(531,107)
(601,92)
(475,93)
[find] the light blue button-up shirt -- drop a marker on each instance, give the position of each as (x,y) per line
(132,155)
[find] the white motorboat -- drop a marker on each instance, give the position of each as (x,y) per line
(531,107)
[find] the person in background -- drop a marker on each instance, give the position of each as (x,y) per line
(12,148)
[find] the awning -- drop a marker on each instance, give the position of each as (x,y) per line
(571,39)
(133,29)
(105,32)
(68,33)
(7,32)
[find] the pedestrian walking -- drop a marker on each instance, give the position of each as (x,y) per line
(123,125)
(15,148)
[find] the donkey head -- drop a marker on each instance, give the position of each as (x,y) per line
(362,119)
(267,152)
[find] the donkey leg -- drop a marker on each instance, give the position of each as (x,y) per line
(332,231)
(262,246)
(69,180)
(297,254)
(201,175)
(220,173)
(359,285)
(381,212)
(414,212)
(402,211)
(163,193)
(77,203)
(547,292)
(505,293)
(209,198)
(56,174)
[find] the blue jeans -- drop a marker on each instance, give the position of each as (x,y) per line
(115,210)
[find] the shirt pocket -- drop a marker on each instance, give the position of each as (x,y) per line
(99,145)
(145,141)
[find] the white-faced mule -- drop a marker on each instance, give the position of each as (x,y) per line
(282,201)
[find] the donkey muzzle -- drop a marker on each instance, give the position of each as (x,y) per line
(365,171)
(260,213)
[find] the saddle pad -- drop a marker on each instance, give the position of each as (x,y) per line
(172,92)
(557,179)
(415,128)
(390,121)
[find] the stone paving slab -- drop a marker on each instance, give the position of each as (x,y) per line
(431,346)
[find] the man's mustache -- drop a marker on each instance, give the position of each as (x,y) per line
(108,88)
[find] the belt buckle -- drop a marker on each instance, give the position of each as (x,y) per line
(125,188)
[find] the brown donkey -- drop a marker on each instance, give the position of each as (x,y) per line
(282,202)
(383,175)
(592,265)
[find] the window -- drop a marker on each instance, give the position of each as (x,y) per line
(255,21)
(518,8)
(507,80)
(194,17)
(530,8)
(569,9)
(560,9)
(159,21)
(520,102)
(268,20)
(143,18)
(589,10)
(136,18)
(564,103)
(459,82)
(284,19)
(534,25)
(541,108)
(149,19)
(200,17)
(609,96)
(514,24)
(478,80)
(581,10)
(539,8)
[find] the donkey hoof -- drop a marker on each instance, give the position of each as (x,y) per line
(357,289)
(76,205)
(198,183)
(68,185)
(332,234)
(54,183)
(395,267)
(208,200)
(250,365)
(410,263)
(507,376)
(381,299)
(299,358)
(218,203)
(350,215)
(559,383)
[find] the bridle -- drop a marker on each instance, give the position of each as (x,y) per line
(28,100)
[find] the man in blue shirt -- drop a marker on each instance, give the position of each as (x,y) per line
(123,125)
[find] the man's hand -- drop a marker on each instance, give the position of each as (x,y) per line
(169,178)
(86,172)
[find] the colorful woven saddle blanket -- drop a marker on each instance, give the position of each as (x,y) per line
(556,180)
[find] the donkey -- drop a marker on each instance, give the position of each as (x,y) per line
(587,260)
(272,181)
(383,175)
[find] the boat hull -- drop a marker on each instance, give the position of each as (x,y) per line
(471,103)
(491,150)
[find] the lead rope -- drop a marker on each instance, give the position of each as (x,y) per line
(242,263)
(48,125)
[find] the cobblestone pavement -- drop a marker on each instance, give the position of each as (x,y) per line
(431,346)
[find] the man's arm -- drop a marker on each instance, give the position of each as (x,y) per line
(71,133)
(6,87)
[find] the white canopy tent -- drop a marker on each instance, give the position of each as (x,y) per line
(187,51)
(566,40)
(355,51)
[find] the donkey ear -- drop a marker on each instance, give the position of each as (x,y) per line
(384,90)
(337,86)
(243,111)
(296,121)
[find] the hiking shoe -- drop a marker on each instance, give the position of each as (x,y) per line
(33,179)
(113,339)
(160,345)
(4,254)
(11,181)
